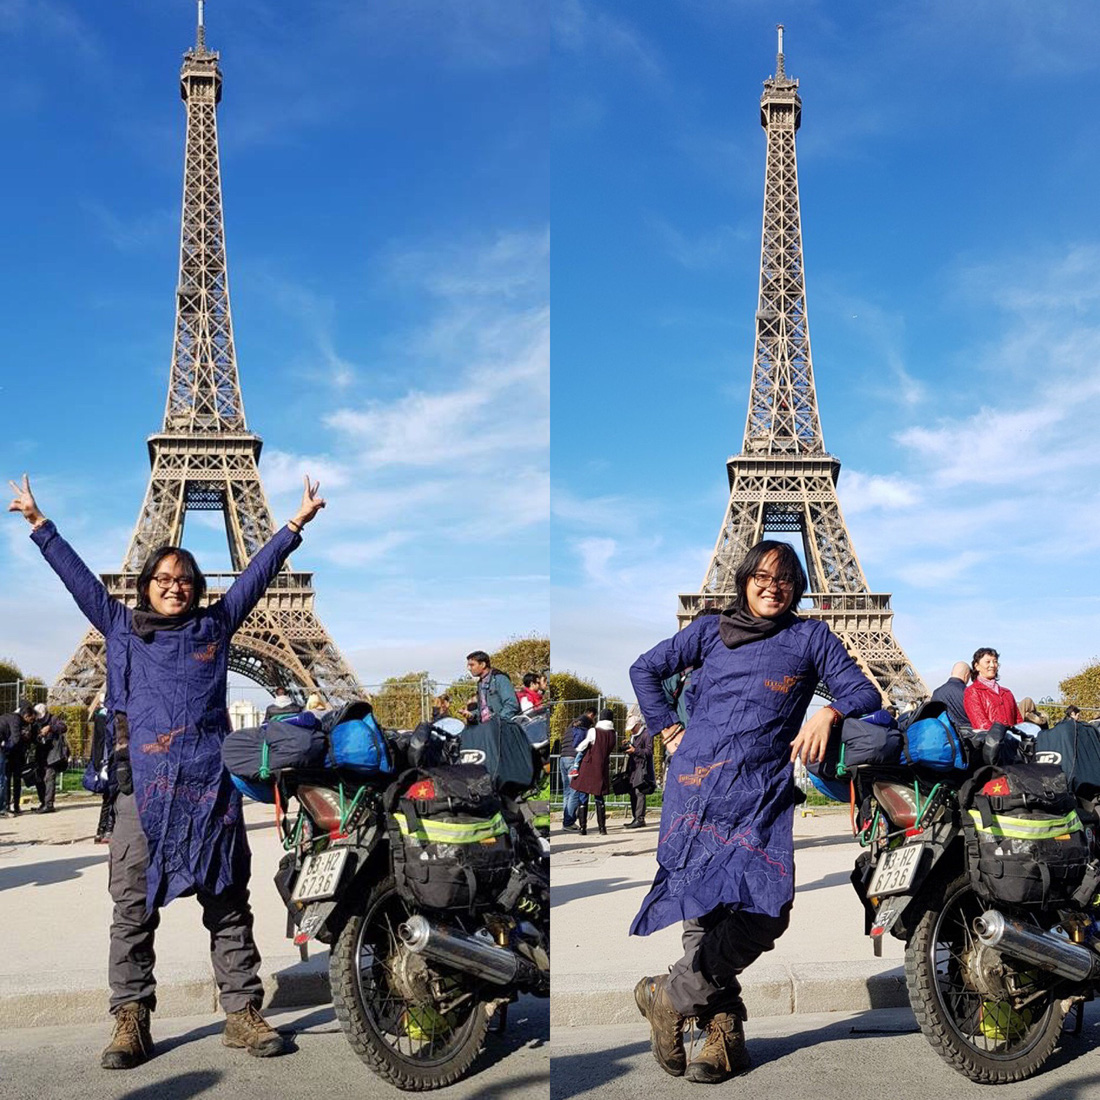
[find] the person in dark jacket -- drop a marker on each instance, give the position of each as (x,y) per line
(179,828)
(726,851)
(576,733)
(593,773)
(14,734)
(951,693)
(639,751)
(51,756)
(282,706)
(495,694)
(102,757)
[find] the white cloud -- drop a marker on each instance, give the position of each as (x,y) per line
(713,248)
(579,29)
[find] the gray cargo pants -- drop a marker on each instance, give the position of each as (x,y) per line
(227,916)
(716,949)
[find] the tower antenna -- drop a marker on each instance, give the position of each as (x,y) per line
(779,73)
(200,34)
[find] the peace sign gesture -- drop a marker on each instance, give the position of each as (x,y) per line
(24,502)
(311,503)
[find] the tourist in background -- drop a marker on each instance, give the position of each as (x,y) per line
(639,753)
(530,697)
(14,730)
(102,759)
(986,701)
(51,756)
(593,776)
(495,694)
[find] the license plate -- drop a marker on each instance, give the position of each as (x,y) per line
(895,870)
(320,875)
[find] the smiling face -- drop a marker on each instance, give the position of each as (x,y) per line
(171,589)
(988,666)
(771,599)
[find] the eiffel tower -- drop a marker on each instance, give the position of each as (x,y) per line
(205,458)
(784,481)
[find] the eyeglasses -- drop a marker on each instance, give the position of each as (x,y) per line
(164,581)
(766,580)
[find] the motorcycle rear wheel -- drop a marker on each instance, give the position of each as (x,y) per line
(981,1038)
(408,1043)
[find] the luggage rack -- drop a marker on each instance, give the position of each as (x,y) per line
(341,781)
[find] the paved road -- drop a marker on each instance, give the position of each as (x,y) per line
(62,1063)
(876,1055)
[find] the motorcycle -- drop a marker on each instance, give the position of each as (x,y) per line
(991,983)
(415,987)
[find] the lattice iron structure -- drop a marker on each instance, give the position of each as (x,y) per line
(205,458)
(784,481)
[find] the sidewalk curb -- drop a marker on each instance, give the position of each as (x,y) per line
(42,1000)
(769,989)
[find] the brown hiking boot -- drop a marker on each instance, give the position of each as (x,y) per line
(248,1030)
(666,1025)
(132,1043)
(723,1054)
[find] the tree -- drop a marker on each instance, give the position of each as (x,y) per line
(571,694)
(520,655)
(1083,689)
(398,703)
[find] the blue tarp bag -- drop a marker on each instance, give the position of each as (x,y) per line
(358,743)
(835,789)
(933,743)
(256,790)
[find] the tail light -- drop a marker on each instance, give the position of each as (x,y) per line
(899,802)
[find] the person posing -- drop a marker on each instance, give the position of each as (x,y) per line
(593,773)
(179,829)
(495,694)
(985,700)
(726,851)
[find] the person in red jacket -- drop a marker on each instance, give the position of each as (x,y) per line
(985,700)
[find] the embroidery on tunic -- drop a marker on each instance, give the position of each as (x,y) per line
(782,686)
(163,742)
(695,779)
(207,654)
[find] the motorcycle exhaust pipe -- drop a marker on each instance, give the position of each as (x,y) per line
(1041,949)
(470,954)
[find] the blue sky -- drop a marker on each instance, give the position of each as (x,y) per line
(386,185)
(948,160)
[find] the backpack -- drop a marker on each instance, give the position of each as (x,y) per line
(1025,843)
(503,749)
(450,846)
(860,742)
(254,752)
(930,740)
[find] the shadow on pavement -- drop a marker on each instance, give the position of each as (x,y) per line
(834,878)
(566,892)
(180,1087)
(826,842)
(47,872)
(596,1068)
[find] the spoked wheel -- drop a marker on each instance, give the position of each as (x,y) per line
(987,1016)
(415,1026)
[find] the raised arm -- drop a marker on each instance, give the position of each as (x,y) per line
(250,586)
(83,585)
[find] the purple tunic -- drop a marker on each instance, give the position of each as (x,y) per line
(173,692)
(726,822)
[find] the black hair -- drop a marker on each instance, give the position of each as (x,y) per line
(188,566)
(26,710)
(788,568)
(479,655)
(1072,712)
(530,678)
(583,721)
(978,655)
(607,715)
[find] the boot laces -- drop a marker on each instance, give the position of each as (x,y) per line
(719,1031)
(128,1028)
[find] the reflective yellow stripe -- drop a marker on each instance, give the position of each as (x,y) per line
(454,832)
(1025,828)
